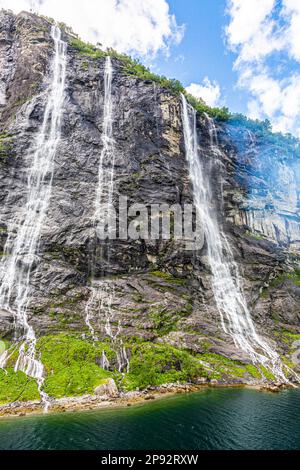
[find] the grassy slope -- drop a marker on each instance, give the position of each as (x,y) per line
(72,368)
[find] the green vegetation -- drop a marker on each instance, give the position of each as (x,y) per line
(64,319)
(165,320)
(5,145)
(156,364)
(84,65)
(254,125)
(287,142)
(221,365)
(168,277)
(268,375)
(48,18)
(86,49)
(293,277)
(2,347)
(135,68)
(166,282)
(71,364)
(221,114)
(16,386)
(291,336)
(286,361)
(255,236)
(274,142)
(253,371)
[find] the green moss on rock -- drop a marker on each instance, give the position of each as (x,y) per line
(6,146)
(86,49)
(156,364)
(71,364)
(221,365)
(165,320)
(169,278)
(267,374)
(16,386)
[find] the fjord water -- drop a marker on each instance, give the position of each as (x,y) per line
(22,247)
(226,282)
(211,419)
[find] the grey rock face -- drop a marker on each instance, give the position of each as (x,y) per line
(268,170)
(150,168)
(108,389)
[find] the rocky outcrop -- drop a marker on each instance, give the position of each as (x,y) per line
(108,388)
(161,292)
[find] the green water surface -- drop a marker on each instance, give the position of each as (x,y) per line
(211,419)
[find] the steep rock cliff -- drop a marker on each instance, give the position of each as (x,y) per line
(161,292)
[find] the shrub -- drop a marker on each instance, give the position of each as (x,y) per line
(134,67)
(86,49)
(222,365)
(156,364)
(222,114)
(16,386)
(71,364)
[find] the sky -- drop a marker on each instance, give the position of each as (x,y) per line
(243,54)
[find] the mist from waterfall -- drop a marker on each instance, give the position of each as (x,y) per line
(22,246)
(226,281)
(102,293)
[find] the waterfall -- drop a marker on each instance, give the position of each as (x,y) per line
(104,361)
(105,187)
(102,293)
(22,246)
(226,281)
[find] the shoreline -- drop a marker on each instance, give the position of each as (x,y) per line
(124,399)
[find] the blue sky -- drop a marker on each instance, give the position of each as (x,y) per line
(244,54)
(209,49)
(202,51)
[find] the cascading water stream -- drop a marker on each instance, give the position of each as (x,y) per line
(22,246)
(105,187)
(101,293)
(226,282)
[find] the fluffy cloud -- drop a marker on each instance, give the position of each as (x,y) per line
(246,18)
(209,91)
(265,37)
(291,9)
(138,27)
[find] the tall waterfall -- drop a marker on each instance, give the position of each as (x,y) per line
(102,293)
(105,187)
(22,246)
(226,282)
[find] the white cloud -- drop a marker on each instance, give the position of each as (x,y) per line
(256,32)
(268,92)
(292,12)
(138,27)
(247,16)
(209,91)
